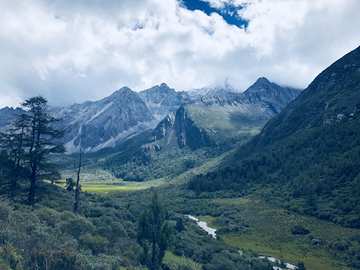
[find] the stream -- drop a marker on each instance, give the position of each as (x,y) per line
(204,226)
(212,231)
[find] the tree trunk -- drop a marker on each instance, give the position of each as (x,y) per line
(32,189)
(77,192)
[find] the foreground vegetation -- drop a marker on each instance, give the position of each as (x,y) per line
(103,235)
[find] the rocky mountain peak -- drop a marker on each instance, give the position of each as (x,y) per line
(157,93)
(267,91)
(201,121)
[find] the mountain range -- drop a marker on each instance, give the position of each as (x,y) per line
(209,119)
(124,114)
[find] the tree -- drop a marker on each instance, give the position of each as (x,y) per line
(70,184)
(29,141)
(300,266)
(13,144)
(154,234)
(40,142)
(78,187)
(180,225)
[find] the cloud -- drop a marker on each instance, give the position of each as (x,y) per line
(72,51)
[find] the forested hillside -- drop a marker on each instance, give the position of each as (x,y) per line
(306,158)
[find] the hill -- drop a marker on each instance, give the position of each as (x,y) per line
(306,158)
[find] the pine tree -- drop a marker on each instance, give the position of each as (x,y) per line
(154,234)
(28,142)
(180,225)
(13,144)
(40,142)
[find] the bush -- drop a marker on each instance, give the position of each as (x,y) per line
(299,230)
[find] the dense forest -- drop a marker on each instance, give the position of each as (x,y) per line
(317,173)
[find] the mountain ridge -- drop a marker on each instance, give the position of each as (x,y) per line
(305,159)
(239,110)
(112,120)
(319,102)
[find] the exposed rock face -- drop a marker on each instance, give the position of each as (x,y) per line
(219,115)
(7,117)
(162,100)
(275,96)
(125,113)
(105,122)
(110,121)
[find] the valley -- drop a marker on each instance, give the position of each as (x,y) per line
(274,170)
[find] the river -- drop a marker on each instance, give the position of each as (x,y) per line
(212,231)
(204,226)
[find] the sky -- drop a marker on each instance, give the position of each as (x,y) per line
(71,51)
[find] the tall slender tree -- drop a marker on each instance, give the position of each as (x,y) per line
(154,234)
(78,187)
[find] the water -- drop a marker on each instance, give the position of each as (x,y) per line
(204,226)
(212,232)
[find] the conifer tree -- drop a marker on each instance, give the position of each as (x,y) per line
(154,234)
(13,144)
(29,141)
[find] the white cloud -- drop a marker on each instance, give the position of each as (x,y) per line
(72,51)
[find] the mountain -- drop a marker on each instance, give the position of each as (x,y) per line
(306,159)
(196,93)
(162,100)
(7,117)
(198,131)
(333,96)
(125,113)
(210,119)
(111,120)
(105,122)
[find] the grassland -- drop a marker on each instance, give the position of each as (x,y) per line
(269,234)
(224,122)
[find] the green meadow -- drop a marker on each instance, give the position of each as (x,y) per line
(269,234)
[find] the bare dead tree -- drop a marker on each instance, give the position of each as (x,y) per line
(77,191)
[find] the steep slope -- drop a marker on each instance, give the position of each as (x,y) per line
(7,117)
(199,130)
(162,100)
(110,121)
(105,122)
(333,96)
(215,117)
(306,158)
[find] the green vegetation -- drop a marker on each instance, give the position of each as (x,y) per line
(291,192)
(315,174)
(25,147)
(154,234)
(225,122)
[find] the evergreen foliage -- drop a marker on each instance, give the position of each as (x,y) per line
(28,142)
(154,234)
(309,174)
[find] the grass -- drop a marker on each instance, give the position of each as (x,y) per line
(108,189)
(224,122)
(208,220)
(175,260)
(269,234)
